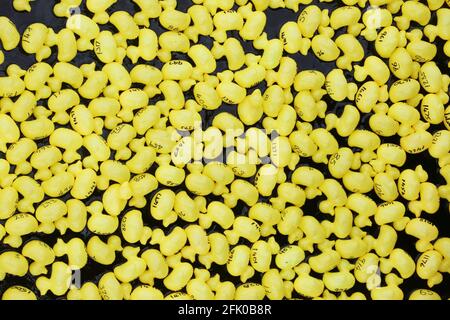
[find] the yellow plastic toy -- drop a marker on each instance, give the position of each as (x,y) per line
(133,268)
(18,153)
(352,248)
(324,262)
(219,213)
(341,162)
(133,229)
(103,253)
(18,226)
(369,94)
(309,177)
(338,281)
(11,86)
(238,263)
(413,11)
(381,123)
(48,212)
(214,5)
(273,51)
(402,65)
(439,147)
(347,16)
(424,231)
(105,47)
(310,19)
(337,86)
(6,178)
(444,189)
(364,206)
(22,5)
(293,41)
(9,35)
(62,101)
(59,281)
(244,227)
(405,90)
(389,292)
(146,292)
(342,224)
(255,22)
(157,266)
(314,233)
(161,207)
(267,215)
(373,19)
(417,142)
(226,21)
(367,141)
(22,108)
(13,263)
(287,259)
(10,132)
(441,29)
(432,108)
(75,250)
(241,190)
(149,9)
(58,185)
(75,219)
(367,270)
(18,293)
(88,291)
(351,49)
(307,285)
(326,145)
(223,290)
(198,243)
(179,277)
(219,250)
(428,265)
(170,244)
(64,8)
(98,8)
(34,40)
(66,43)
(94,85)
(261,254)
(312,80)
(424,294)
(346,123)
(250,291)
(99,223)
(325,48)
(31,191)
(110,288)
(172,41)
(85,28)
(375,68)
(386,241)
(389,212)
(202,22)
(173,19)
(147,48)
(399,260)
(389,39)
(285,122)
(431,78)
(9,197)
(273,280)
